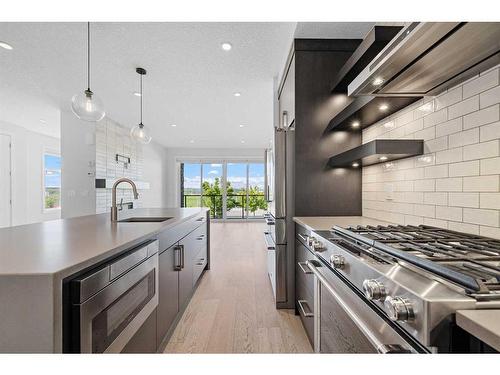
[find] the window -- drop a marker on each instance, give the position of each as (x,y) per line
(232,190)
(51,181)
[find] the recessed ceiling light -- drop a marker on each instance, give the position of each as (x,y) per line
(43,121)
(6,45)
(355,165)
(355,124)
(226,46)
(383,107)
(242,141)
(383,158)
(237,94)
(241,126)
(191,141)
(378,81)
(173,125)
(137,93)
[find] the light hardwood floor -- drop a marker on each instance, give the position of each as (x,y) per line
(232,311)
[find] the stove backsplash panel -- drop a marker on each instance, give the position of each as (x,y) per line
(456,183)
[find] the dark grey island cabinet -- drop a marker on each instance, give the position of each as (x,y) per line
(183,256)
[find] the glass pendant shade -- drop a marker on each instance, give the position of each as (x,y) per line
(140,134)
(87,106)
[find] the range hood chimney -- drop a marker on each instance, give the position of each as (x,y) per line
(425,58)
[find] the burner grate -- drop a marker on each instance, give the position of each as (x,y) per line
(470,260)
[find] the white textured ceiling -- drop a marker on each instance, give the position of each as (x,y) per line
(190,80)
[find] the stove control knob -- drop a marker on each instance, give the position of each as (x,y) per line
(374,290)
(317,245)
(337,261)
(399,309)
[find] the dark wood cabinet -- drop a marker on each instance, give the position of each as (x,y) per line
(286,96)
(144,341)
(168,290)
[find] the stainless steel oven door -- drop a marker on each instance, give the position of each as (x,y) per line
(344,323)
(110,318)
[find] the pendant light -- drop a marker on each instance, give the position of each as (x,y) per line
(138,132)
(86,105)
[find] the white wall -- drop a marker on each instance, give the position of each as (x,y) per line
(78,160)
(175,155)
(27,173)
(456,184)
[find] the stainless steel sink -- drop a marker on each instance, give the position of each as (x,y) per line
(149,219)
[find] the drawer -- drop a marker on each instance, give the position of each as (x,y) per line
(304,289)
(172,235)
(200,262)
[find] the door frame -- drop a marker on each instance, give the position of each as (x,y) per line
(224,161)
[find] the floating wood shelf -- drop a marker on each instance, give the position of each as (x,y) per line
(372,44)
(378,151)
(367,110)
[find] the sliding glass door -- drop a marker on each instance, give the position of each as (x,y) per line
(231,189)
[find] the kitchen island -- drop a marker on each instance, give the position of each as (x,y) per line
(35,260)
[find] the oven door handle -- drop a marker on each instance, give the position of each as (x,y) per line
(369,334)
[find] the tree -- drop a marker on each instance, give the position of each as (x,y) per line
(212,197)
(256,200)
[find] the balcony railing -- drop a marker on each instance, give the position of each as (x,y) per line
(239,206)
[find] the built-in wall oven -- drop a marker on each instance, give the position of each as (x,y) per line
(110,303)
(344,323)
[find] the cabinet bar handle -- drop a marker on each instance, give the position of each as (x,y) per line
(301,303)
(304,268)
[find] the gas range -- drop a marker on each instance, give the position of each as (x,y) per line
(417,276)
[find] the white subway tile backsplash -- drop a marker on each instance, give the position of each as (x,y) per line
(482,150)
(482,117)
(464,200)
(490,201)
(449,213)
(490,132)
(490,97)
(490,166)
(463,138)
(437,144)
(480,84)
(436,171)
(425,185)
(463,227)
(481,217)
(449,156)
(450,97)
(481,183)
(456,183)
(440,199)
(436,118)
(449,184)
(449,127)
(489,232)
(464,107)
(466,168)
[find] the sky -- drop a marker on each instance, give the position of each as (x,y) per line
(236,174)
(52,170)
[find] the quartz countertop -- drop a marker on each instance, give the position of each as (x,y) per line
(484,324)
(66,245)
(327,222)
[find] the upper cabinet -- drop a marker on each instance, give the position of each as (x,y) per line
(286,95)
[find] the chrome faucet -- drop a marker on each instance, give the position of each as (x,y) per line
(114,208)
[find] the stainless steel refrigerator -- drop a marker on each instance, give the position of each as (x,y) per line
(280,227)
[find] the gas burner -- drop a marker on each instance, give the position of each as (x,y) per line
(468,260)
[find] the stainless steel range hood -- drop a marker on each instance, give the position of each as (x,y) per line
(425,58)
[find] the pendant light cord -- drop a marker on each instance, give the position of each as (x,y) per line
(141,99)
(88,55)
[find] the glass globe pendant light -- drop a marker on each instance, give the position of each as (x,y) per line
(86,105)
(138,132)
